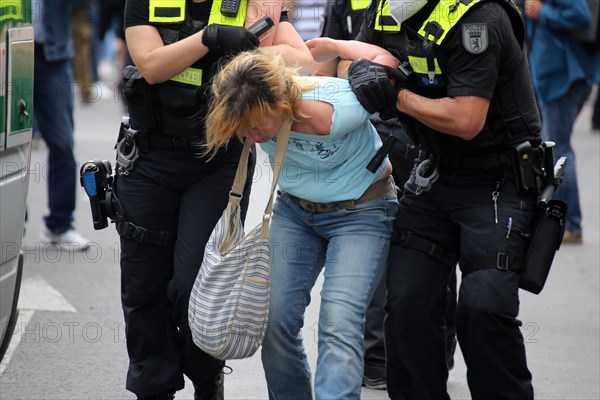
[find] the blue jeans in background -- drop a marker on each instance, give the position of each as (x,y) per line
(351,246)
(558,118)
(53,119)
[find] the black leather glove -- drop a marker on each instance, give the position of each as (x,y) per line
(372,84)
(225,39)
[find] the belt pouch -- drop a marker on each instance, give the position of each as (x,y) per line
(139,98)
(543,244)
(528,167)
(179,109)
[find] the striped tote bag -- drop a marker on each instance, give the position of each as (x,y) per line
(229,304)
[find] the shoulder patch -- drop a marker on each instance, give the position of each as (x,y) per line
(475,37)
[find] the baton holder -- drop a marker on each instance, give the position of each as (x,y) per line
(545,241)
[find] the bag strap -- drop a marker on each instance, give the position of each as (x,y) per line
(237,189)
(283,137)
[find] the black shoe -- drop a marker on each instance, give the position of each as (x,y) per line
(374,383)
(450,350)
(213,389)
(162,396)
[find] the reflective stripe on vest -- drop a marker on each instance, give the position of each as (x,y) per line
(446,14)
(191,76)
(384,20)
(173,11)
(420,66)
(167,11)
(359,4)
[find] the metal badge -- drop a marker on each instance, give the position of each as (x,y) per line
(475,37)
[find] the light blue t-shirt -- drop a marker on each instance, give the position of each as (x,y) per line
(326,168)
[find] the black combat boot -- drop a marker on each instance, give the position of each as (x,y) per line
(162,396)
(212,389)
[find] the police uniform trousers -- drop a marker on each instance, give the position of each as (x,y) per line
(457,213)
(402,156)
(172,191)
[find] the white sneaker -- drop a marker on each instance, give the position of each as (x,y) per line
(70,240)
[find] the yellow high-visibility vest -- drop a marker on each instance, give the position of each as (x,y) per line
(173,12)
(359,4)
(384,20)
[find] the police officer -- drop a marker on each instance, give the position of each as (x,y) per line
(467,98)
(342,21)
(170,196)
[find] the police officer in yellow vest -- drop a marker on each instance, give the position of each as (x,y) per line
(342,21)
(171,197)
(467,98)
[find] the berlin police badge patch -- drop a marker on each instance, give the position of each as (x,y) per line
(475,38)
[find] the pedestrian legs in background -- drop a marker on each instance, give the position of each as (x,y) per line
(558,117)
(83,31)
(53,119)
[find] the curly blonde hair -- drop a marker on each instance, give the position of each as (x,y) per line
(252,85)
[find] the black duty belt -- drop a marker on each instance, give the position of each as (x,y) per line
(147,140)
(375,191)
(490,161)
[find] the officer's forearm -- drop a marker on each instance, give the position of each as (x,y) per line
(159,63)
(462,116)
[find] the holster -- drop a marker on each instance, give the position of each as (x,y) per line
(544,242)
(528,167)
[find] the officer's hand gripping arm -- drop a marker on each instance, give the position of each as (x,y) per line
(373,86)
(224,39)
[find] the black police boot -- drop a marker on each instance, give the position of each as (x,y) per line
(213,389)
(162,396)
(450,350)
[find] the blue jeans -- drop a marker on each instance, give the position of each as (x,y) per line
(558,118)
(53,118)
(351,246)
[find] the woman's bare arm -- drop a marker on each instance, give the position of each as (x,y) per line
(288,43)
(325,49)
